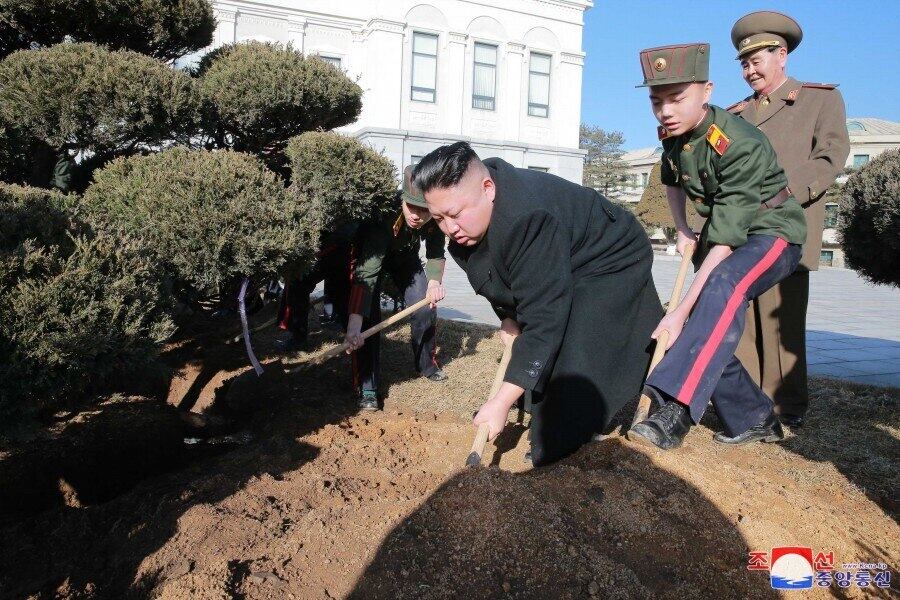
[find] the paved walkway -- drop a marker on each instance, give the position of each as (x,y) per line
(853,327)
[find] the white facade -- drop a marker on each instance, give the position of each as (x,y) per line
(374,43)
(868,138)
(640,163)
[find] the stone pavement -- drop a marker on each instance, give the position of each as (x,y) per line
(853,327)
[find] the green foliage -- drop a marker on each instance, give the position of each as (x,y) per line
(653,209)
(869,219)
(603,167)
(163,29)
(343,179)
(88,99)
(259,95)
(14,161)
(78,312)
(208,217)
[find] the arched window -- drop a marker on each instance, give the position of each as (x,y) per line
(855,126)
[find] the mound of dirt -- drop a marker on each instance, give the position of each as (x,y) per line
(322,502)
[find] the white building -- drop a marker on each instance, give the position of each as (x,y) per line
(868,138)
(504,75)
(640,162)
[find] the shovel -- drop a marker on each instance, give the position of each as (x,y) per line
(332,352)
(643,408)
(481,435)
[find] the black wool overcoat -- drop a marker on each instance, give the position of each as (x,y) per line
(574,270)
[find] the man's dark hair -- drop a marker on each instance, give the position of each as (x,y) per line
(443,167)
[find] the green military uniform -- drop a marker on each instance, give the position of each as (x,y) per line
(387,245)
(728,168)
(727,188)
(806,125)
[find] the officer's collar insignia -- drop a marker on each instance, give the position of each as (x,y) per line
(737,107)
(717,139)
(662,132)
(792,96)
(398,224)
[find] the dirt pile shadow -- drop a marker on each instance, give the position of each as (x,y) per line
(604,522)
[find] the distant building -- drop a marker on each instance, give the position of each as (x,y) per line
(868,138)
(504,75)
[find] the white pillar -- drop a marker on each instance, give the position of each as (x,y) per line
(454,93)
(226,22)
(515,96)
(568,98)
(382,75)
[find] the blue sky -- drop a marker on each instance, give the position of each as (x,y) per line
(850,42)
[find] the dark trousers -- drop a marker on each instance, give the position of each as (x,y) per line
(773,347)
(411,281)
(332,266)
(701,365)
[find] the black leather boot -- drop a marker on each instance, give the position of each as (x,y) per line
(665,428)
(769,430)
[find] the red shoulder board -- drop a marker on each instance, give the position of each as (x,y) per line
(820,86)
(717,139)
(662,132)
(737,107)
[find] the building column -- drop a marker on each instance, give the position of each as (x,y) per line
(514,91)
(382,75)
(454,81)
(568,117)
(226,23)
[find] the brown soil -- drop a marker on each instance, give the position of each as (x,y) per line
(301,497)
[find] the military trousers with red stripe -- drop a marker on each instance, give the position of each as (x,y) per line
(410,280)
(701,366)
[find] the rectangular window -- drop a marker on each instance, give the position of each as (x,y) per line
(484,79)
(831,211)
(414,160)
(645,178)
(826,257)
(539,85)
(424,67)
(541,169)
(332,60)
(860,160)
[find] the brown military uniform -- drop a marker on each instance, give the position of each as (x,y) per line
(806,125)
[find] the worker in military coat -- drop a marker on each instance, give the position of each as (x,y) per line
(567,272)
(806,124)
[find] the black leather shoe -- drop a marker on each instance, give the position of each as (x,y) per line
(792,421)
(665,428)
(437,377)
(368,403)
(767,431)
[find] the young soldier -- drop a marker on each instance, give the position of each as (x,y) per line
(391,246)
(806,124)
(567,272)
(750,241)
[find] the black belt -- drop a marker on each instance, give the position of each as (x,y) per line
(776,200)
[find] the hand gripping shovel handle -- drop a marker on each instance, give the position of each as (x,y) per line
(643,409)
(481,435)
(375,329)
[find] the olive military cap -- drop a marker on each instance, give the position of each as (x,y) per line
(410,193)
(675,64)
(765,29)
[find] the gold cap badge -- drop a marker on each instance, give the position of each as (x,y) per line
(660,64)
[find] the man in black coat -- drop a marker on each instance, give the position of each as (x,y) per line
(567,272)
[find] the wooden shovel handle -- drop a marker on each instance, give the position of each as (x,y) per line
(643,408)
(481,435)
(331,352)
